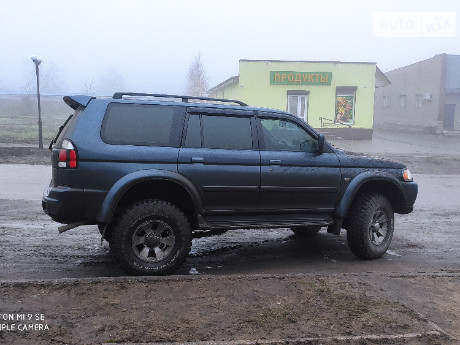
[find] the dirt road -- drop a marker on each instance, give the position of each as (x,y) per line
(263,285)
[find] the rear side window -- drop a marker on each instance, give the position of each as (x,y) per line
(193,137)
(224,132)
(141,124)
(219,132)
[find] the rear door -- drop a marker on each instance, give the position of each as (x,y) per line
(219,155)
(294,174)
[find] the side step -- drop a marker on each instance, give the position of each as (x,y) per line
(263,221)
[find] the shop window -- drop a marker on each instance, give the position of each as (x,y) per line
(345,105)
(297,103)
(403,101)
(386,101)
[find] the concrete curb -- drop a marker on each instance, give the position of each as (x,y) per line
(141,279)
(326,340)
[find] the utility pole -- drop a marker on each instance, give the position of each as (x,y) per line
(37,62)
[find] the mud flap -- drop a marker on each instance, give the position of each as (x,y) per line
(335,227)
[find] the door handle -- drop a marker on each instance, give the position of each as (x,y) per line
(197,160)
(275,161)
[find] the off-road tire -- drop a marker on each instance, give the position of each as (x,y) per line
(306,231)
(152,237)
(370,226)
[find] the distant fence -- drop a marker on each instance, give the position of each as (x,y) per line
(26,105)
(19,117)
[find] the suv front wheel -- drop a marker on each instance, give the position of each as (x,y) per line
(370,226)
(152,237)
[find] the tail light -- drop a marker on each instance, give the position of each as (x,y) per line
(68,157)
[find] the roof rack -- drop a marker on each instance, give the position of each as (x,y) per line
(185,99)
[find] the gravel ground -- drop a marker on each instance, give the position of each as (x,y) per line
(191,309)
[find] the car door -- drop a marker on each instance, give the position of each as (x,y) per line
(219,155)
(294,173)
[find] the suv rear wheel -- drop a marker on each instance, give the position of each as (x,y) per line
(152,237)
(370,226)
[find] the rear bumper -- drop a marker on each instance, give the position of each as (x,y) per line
(69,204)
(63,204)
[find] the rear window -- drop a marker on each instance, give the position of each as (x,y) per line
(141,124)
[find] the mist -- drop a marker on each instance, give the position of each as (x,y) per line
(99,47)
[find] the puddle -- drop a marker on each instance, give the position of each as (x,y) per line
(237,239)
(194,271)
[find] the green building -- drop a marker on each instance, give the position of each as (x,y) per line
(337,98)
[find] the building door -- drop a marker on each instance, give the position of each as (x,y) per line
(297,104)
(449,116)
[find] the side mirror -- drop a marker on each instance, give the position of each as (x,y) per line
(320,143)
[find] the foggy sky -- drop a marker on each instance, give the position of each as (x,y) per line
(148,46)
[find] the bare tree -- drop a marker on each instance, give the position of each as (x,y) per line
(89,88)
(51,79)
(27,105)
(110,81)
(197,80)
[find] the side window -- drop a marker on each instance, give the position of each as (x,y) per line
(141,124)
(193,136)
(226,132)
(282,135)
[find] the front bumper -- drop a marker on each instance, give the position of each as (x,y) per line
(410,191)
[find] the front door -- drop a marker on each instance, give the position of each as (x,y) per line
(294,175)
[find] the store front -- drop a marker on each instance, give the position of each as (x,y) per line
(337,98)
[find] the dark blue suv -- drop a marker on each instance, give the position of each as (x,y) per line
(152,170)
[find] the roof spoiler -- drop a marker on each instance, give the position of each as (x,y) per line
(75,101)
